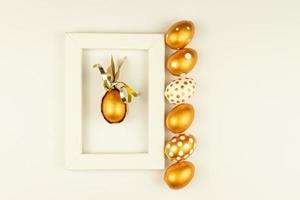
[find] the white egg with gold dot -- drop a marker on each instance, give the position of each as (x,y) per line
(180,147)
(180,90)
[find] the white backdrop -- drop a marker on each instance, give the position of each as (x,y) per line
(248,110)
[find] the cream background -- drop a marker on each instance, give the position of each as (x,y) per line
(248,122)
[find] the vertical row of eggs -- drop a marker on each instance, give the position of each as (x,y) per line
(178,92)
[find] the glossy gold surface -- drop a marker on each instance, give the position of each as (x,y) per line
(180,34)
(182,61)
(180,118)
(179,174)
(180,147)
(112,107)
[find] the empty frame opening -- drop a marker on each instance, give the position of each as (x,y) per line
(131,135)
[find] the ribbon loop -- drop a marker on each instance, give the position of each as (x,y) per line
(110,81)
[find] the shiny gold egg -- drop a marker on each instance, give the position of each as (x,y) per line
(182,61)
(180,118)
(180,147)
(180,34)
(112,107)
(179,174)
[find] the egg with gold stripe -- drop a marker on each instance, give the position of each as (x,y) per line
(180,34)
(182,61)
(180,147)
(180,90)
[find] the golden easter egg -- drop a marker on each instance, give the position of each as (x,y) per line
(180,34)
(182,61)
(180,118)
(180,90)
(180,147)
(112,107)
(179,174)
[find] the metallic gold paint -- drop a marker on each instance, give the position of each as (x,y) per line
(179,174)
(182,61)
(180,147)
(112,107)
(180,118)
(180,34)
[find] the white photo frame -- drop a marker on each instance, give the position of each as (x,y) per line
(76,158)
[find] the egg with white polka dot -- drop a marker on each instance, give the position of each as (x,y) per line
(180,147)
(182,61)
(180,90)
(180,34)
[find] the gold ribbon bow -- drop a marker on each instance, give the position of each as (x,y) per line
(110,80)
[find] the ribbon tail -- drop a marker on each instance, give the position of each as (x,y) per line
(119,68)
(129,98)
(130,92)
(126,92)
(106,78)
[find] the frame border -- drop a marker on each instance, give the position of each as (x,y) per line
(75,158)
